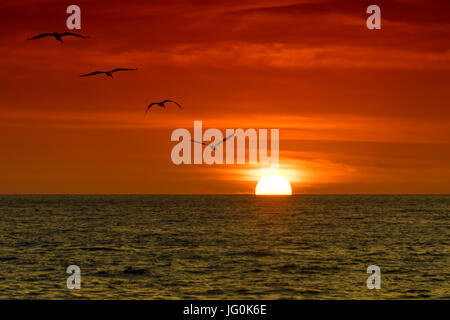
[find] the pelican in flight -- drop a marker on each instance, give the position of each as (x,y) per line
(213,146)
(58,36)
(108,73)
(162,104)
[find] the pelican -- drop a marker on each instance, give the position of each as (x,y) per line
(162,104)
(57,36)
(108,73)
(213,146)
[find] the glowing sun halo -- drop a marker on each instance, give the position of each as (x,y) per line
(273,185)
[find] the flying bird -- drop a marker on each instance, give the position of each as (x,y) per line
(108,73)
(162,104)
(213,146)
(58,36)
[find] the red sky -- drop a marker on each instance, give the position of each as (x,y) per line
(359,111)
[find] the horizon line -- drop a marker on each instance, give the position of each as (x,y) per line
(215,194)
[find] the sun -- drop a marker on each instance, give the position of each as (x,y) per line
(273,185)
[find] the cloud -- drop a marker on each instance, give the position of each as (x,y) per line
(291,57)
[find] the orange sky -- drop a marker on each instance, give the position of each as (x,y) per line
(359,111)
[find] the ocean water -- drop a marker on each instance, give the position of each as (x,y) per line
(225,247)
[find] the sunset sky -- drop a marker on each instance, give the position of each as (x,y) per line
(359,111)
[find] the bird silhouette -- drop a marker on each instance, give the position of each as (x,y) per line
(108,73)
(162,104)
(58,36)
(214,146)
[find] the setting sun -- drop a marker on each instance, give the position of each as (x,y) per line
(273,185)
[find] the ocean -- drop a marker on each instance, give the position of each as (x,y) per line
(224,247)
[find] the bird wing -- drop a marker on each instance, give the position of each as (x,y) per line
(92,73)
(41,36)
(225,139)
(73,34)
(149,106)
(173,102)
(122,69)
(199,142)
